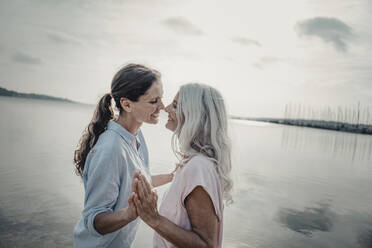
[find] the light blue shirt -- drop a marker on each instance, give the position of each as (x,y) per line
(107,176)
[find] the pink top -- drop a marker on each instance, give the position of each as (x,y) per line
(199,171)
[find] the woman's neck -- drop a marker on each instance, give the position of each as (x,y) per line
(129,123)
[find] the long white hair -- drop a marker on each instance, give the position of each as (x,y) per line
(203,128)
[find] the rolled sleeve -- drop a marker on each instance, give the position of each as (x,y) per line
(102,187)
(90,221)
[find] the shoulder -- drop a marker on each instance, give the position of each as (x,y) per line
(109,146)
(110,137)
(111,140)
(199,174)
(199,159)
(199,164)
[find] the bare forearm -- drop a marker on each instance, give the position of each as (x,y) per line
(108,222)
(161,179)
(177,235)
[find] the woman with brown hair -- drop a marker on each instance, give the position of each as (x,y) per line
(110,152)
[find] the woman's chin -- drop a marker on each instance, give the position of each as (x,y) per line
(152,121)
(167,125)
(170,126)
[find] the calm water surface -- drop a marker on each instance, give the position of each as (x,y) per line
(294,187)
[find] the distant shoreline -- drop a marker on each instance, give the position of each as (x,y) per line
(321,124)
(11,93)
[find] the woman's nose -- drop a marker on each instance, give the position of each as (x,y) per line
(167,108)
(161,105)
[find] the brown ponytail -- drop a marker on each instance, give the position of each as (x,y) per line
(131,82)
(102,115)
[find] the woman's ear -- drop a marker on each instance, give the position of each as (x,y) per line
(126,104)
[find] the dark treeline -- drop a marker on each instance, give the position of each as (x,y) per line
(11,93)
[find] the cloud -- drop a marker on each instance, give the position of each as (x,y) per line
(63,38)
(182,25)
(267,60)
(23,58)
(330,30)
(246,42)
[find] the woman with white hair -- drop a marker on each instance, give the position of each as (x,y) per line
(191,213)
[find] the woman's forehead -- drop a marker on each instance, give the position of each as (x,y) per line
(156,90)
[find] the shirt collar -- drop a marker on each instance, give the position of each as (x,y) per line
(127,136)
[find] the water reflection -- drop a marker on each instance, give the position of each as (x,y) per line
(41,199)
(353,147)
(39,229)
(365,239)
(323,226)
(319,218)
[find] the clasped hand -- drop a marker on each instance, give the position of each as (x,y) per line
(143,200)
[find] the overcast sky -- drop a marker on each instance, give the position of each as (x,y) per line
(260,54)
